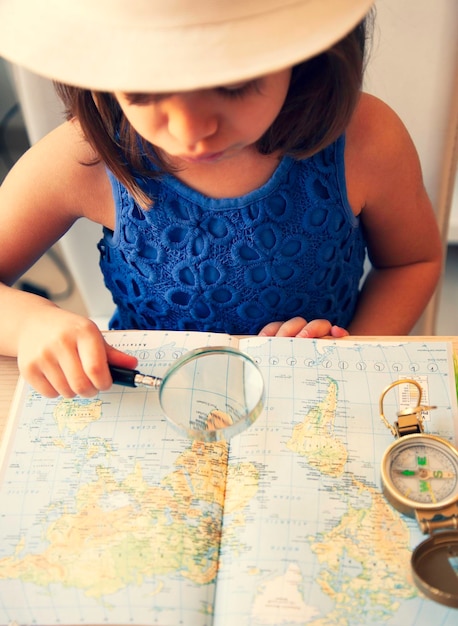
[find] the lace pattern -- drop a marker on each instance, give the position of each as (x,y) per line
(292,247)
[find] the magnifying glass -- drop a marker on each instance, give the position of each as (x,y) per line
(208,394)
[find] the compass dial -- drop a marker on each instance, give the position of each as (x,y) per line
(420,470)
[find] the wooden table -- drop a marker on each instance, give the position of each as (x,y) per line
(9,371)
(8,378)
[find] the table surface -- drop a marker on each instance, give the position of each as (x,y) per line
(9,371)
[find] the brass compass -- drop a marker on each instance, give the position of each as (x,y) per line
(420,478)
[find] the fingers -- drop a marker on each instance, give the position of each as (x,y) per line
(68,358)
(89,367)
(74,363)
(339,332)
(299,327)
(315,329)
(39,381)
(121,359)
(290,328)
(270,330)
(52,377)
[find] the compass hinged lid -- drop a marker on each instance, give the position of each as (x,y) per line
(435,567)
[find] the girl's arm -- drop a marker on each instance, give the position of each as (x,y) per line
(48,189)
(384,179)
(385,188)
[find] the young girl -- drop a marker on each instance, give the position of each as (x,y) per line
(239,175)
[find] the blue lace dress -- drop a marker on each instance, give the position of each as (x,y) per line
(291,247)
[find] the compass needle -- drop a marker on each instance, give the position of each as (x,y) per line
(405,472)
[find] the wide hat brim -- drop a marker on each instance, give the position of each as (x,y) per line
(169,45)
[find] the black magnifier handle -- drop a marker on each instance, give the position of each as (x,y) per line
(133,378)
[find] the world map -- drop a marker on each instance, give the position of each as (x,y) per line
(108,517)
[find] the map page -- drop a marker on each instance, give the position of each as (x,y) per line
(108,516)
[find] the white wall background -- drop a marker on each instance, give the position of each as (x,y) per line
(413,67)
(7,95)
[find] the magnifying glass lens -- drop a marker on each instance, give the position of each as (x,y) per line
(212,393)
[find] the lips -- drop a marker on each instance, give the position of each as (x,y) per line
(207,157)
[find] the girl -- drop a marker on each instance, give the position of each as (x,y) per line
(239,175)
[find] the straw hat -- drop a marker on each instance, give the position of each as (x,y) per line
(169,45)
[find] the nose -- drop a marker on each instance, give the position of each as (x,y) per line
(190,119)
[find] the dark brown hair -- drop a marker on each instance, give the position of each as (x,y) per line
(320,101)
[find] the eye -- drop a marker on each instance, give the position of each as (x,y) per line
(238,90)
(139,99)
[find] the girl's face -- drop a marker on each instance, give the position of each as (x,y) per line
(207,125)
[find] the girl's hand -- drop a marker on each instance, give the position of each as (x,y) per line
(60,353)
(299,327)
